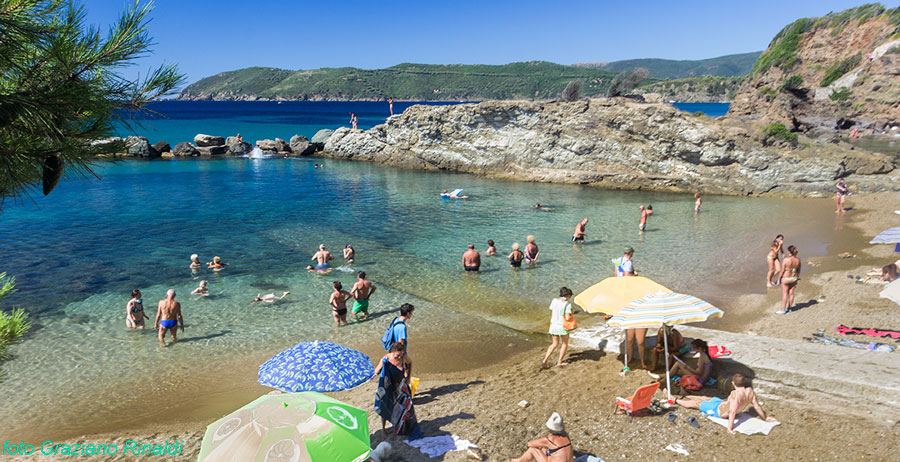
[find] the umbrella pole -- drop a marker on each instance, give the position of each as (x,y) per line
(668,382)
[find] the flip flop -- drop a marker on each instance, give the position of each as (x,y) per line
(694,422)
(672,417)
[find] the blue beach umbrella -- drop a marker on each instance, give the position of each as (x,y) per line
(316,366)
(888,236)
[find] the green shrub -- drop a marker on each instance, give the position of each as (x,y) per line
(837,70)
(842,94)
(572,91)
(768,92)
(698,114)
(626,81)
(13,324)
(792,83)
(777,132)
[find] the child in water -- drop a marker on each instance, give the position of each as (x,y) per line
(201,290)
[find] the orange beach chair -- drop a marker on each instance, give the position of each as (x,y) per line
(642,398)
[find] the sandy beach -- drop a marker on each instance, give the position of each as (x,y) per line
(479,403)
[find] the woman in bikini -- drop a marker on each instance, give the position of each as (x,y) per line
(790,274)
(531,251)
(841,195)
(555,447)
(134,311)
(774,263)
(516,257)
(697,202)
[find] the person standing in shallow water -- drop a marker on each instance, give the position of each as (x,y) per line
(531,251)
(134,311)
(774,263)
(516,256)
(579,231)
(361,292)
(168,317)
(790,275)
(697,202)
(471,259)
(841,194)
(645,213)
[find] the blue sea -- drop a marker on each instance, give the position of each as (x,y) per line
(77,253)
(710,109)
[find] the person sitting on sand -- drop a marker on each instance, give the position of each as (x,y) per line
(195,262)
(560,312)
(168,317)
(889,272)
(555,447)
(675,343)
(738,400)
(134,311)
(349,253)
(201,290)
(471,259)
(216,264)
(531,251)
(579,231)
(322,257)
(269,298)
(338,302)
(516,256)
(361,292)
(704,364)
(491,250)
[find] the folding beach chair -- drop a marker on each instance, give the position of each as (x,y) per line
(642,398)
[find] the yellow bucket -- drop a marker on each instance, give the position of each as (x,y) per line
(413,385)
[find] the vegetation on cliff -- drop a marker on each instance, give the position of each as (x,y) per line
(723,66)
(696,89)
(419,82)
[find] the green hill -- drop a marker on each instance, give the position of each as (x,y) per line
(724,66)
(421,82)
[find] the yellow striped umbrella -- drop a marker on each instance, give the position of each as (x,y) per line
(612,294)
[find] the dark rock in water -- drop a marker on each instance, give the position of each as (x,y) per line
(202,140)
(301,146)
(320,138)
(137,146)
(282,145)
(51,173)
(185,149)
(238,149)
(212,150)
(267,146)
(162,147)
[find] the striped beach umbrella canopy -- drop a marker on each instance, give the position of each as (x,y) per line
(611,294)
(289,427)
(669,308)
(888,236)
(316,366)
(663,308)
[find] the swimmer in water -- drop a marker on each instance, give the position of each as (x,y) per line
(516,256)
(216,264)
(491,250)
(540,207)
(269,298)
(579,231)
(195,262)
(322,257)
(201,290)
(349,253)
(645,212)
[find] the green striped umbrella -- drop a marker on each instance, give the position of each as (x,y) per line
(289,427)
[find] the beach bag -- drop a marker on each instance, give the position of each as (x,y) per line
(690,382)
(570,324)
(388,338)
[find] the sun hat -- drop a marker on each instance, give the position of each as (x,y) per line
(555,422)
(629,249)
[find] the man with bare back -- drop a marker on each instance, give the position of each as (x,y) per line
(361,291)
(168,317)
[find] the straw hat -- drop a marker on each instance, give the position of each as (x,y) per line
(555,422)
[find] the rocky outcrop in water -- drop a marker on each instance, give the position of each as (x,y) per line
(185,149)
(320,138)
(203,141)
(614,143)
(138,146)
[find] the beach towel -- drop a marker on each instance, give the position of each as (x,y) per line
(748,425)
(588,458)
(871,346)
(718,351)
(436,446)
(403,418)
(844,330)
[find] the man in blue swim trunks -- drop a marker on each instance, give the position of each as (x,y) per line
(168,317)
(321,257)
(738,401)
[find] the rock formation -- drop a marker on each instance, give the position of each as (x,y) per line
(185,149)
(300,146)
(615,143)
(320,138)
(838,71)
(237,148)
(138,146)
(202,140)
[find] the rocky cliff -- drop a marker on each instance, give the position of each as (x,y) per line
(835,72)
(615,143)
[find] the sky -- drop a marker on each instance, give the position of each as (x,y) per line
(205,37)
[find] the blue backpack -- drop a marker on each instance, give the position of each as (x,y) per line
(388,338)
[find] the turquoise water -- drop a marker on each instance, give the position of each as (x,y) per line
(79,252)
(710,109)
